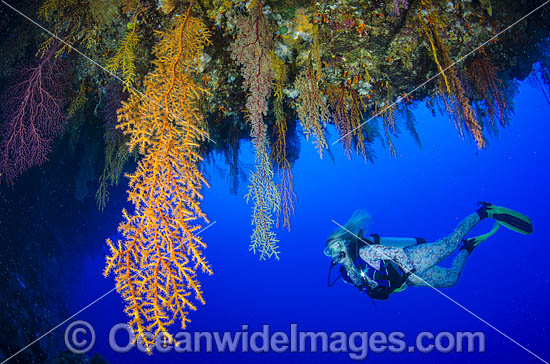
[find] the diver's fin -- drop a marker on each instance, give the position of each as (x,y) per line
(471,243)
(509,218)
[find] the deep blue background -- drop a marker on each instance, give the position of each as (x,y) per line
(422,192)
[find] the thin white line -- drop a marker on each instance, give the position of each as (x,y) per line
(449,298)
(84,308)
(58,325)
(400,98)
(484,321)
(94,62)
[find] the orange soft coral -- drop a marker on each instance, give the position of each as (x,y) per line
(157,263)
(452,91)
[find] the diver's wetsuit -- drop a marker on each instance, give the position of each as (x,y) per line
(425,257)
(417,264)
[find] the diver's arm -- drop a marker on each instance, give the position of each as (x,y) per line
(374,254)
(353,273)
(357,277)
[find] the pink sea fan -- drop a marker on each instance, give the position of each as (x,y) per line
(32,116)
(396,5)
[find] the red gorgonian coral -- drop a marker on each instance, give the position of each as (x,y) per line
(32,116)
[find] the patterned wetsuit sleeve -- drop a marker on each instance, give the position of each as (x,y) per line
(352,272)
(355,275)
(373,254)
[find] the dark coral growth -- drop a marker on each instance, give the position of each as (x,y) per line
(376,52)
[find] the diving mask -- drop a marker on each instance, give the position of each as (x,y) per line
(335,248)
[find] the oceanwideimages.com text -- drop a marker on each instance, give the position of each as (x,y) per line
(357,345)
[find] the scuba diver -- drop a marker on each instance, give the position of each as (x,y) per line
(381,266)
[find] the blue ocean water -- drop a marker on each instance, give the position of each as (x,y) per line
(421,192)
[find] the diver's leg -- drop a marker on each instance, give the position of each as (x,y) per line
(439,277)
(425,256)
